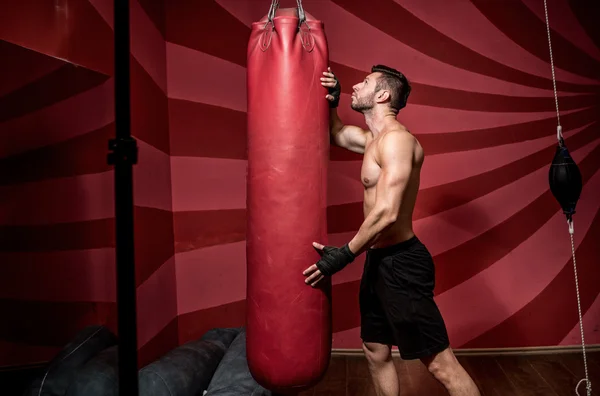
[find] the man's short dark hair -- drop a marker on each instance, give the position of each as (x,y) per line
(396,83)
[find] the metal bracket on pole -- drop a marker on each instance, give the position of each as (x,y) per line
(123,150)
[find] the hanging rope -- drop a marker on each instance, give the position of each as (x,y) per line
(560,139)
(586,379)
(559,135)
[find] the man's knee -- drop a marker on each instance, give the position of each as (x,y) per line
(377,354)
(446,368)
(443,366)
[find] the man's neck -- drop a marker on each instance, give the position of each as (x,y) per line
(379,120)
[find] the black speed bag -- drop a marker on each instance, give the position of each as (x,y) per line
(565,180)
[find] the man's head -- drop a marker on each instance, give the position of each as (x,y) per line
(385,86)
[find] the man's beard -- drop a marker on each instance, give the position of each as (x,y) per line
(363,105)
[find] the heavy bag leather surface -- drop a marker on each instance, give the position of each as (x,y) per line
(288,322)
(565,180)
(99,376)
(55,380)
(222,336)
(233,377)
(183,371)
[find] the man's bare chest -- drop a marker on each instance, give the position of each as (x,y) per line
(370,170)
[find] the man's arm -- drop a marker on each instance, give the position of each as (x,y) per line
(396,161)
(350,137)
(397,151)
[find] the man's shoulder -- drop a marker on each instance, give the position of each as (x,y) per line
(398,137)
(400,143)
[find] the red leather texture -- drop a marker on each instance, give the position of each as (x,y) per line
(288,322)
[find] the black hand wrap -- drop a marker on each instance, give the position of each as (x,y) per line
(334,259)
(335,92)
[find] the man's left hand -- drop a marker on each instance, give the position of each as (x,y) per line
(333,259)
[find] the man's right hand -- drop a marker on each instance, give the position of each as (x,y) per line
(330,82)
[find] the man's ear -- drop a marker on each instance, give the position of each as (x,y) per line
(382,95)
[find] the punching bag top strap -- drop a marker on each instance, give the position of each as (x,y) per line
(301,14)
(275,6)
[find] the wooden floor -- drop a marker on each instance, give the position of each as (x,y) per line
(544,375)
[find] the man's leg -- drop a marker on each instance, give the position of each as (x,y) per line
(449,372)
(376,332)
(382,369)
(417,322)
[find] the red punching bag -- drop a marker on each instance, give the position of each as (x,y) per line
(288,322)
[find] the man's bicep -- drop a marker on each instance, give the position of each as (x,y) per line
(396,166)
(353,138)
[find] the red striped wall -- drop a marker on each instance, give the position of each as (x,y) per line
(482,106)
(57,221)
(58,267)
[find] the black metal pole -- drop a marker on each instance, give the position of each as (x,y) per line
(123,157)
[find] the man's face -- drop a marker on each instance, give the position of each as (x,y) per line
(363,97)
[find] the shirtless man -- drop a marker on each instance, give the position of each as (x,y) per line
(396,291)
